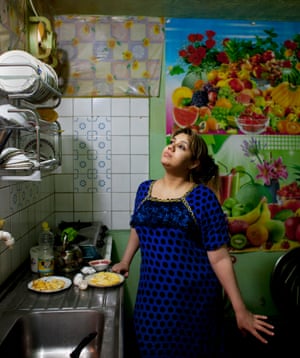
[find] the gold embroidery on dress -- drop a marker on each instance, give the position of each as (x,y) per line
(182,199)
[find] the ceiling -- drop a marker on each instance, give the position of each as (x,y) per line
(254,10)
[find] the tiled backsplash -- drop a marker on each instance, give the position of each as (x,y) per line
(105,157)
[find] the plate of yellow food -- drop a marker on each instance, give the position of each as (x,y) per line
(105,279)
(50,284)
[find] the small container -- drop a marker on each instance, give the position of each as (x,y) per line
(100,265)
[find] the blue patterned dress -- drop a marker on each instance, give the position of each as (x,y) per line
(178,310)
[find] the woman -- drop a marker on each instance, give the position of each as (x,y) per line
(181,230)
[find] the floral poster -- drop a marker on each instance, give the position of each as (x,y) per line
(109,56)
(220,73)
(260,189)
(233,77)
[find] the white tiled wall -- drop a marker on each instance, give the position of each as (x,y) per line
(105,157)
(24,205)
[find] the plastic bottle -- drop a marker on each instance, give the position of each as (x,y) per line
(46,251)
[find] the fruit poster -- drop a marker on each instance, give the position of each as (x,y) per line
(238,85)
(233,77)
(260,189)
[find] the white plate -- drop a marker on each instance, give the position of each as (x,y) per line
(13,115)
(52,78)
(9,151)
(90,279)
(66,280)
(17,78)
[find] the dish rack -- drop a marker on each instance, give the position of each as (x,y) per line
(37,139)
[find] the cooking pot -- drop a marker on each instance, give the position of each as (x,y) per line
(68,259)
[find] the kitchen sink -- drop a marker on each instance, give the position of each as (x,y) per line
(53,334)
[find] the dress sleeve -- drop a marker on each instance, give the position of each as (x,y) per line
(142,192)
(210,218)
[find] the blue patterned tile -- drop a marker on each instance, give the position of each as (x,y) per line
(82,125)
(82,183)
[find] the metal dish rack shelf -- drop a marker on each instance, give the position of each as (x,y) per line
(38,139)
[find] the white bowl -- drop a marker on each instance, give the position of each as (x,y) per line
(100,265)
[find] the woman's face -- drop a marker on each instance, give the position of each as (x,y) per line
(177,155)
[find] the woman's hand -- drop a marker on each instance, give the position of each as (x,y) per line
(121,268)
(254,324)
(246,321)
(133,244)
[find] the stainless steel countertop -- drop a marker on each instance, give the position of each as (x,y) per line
(19,300)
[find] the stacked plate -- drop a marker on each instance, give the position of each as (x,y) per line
(11,116)
(20,72)
(15,159)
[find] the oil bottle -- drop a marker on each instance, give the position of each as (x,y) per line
(46,251)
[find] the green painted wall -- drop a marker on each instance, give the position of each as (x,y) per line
(157,141)
(157,130)
(120,238)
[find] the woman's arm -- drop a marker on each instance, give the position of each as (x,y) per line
(222,265)
(131,248)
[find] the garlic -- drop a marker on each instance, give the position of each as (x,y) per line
(77,279)
(7,238)
(87,270)
(83,285)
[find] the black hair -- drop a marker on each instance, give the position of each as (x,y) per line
(207,172)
